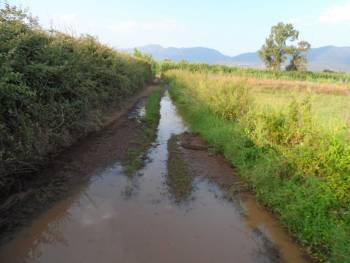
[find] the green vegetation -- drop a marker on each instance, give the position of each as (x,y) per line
(286,132)
(178,179)
(151,117)
(134,158)
(297,168)
(330,111)
(54,88)
(315,77)
(149,59)
(276,50)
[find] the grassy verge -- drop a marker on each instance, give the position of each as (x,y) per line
(134,157)
(296,169)
(178,180)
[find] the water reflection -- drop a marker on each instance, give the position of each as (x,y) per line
(179,179)
(139,110)
(121,219)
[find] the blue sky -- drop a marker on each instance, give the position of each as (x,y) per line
(232,27)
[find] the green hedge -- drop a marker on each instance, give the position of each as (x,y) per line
(54,88)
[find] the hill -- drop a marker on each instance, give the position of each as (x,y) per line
(327,57)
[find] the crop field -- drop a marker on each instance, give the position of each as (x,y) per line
(318,77)
(330,110)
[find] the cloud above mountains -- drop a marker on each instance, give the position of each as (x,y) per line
(131,26)
(336,14)
(333,15)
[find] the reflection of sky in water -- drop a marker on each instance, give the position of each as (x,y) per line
(139,110)
(122,219)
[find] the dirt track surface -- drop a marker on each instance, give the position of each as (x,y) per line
(203,164)
(105,216)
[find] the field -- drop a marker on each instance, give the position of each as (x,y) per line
(288,139)
(318,77)
(331,111)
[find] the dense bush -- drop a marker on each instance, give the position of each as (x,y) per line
(54,88)
(298,169)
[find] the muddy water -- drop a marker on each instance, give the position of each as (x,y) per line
(121,219)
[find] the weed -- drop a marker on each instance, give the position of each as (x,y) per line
(134,157)
(179,179)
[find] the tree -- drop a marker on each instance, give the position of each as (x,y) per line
(298,58)
(277,48)
(12,15)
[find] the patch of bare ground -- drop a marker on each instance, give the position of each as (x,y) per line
(202,162)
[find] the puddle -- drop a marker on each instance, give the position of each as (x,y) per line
(139,110)
(134,219)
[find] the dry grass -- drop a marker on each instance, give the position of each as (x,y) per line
(287,85)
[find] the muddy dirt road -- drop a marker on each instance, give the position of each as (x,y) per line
(118,218)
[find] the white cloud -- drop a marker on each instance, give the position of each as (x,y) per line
(333,15)
(336,14)
(132,26)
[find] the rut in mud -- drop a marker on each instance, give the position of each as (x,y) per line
(119,218)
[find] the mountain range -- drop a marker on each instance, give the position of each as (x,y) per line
(321,58)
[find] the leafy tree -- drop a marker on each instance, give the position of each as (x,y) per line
(14,16)
(298,59)
(278,48)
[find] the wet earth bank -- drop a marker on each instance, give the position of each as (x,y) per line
(145,218)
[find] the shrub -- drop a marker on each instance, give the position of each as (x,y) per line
(54,88)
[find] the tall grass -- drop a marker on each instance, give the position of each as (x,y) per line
(54,88)
(296,168)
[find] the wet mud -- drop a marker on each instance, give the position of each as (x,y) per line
(73,167)
(118,218)
(265,230)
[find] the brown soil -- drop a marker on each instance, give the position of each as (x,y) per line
(72,167)
(116,218)
(202,163)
